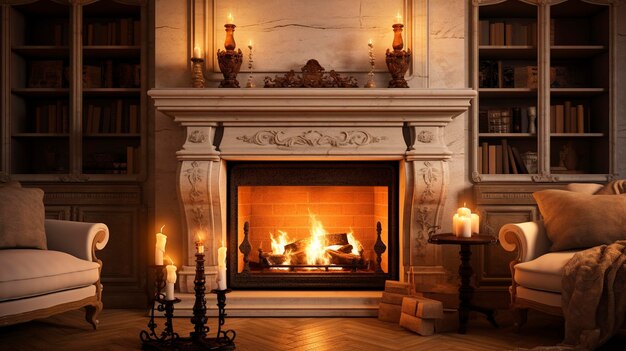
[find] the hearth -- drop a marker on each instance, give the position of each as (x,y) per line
(312,225)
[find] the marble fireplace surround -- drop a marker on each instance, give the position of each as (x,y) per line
(225,125)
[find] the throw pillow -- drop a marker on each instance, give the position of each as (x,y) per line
(577,220)
(613,187)
(22,218)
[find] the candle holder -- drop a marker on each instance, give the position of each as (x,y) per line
(197,72)
(370,75)
(250,83)
(197,340)
(398,60)
(229,60)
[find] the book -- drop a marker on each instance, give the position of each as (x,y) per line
(46,74)
(492,159)
(136,33)
(521,167)
(512,160)
(516,115)
(505,156)
(92,76)
(524,120)
(133,113)
(499,158)
(97,115)
(508,34)
(525,77)
(487,74)
(88,120)
(559,118)
(580,118)
(483,30)
(480,158)
(119,110)
(567,119)
(485,149)
(552,119)
(130,160)
(573,119)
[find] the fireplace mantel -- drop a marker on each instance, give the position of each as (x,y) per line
(303,106)
(301,124)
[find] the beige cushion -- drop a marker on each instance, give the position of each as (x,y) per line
(28,272)
(613,187)
(579,221)
(543,273)
(587,188)
(21,218)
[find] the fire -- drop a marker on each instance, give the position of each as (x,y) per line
(313,250)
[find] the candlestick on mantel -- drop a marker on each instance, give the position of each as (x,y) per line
(170,280)
(370,75)
(200,243)
(229,60)
(159,250)
(197,52)
(398,60)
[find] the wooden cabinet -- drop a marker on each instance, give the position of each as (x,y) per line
(546,93)
(73,106)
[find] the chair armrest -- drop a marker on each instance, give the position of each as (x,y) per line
(529,238)
(76,238)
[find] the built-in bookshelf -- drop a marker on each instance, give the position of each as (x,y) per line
(77,90)
(544,110)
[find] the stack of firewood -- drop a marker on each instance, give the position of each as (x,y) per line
(337,248)
(390,307)
(449,296)
(419,314)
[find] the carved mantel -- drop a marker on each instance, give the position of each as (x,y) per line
(224,125)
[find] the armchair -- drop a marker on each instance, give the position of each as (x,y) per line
(36,283)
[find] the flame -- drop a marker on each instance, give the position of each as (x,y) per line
(316,250)
(230,18)
(398,18)
(199,237)
(356,245)
(170,259)
(161,231)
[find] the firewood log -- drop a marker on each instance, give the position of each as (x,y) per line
(296,246)
(342,258)
(345,248)
(336,239)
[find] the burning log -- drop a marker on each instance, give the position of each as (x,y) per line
(345,248)
(272,259)
(336,239)
(296,246)
(342,258)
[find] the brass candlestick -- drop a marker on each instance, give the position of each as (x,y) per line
(229,60)
(197,72)
(370,75)
(398,59)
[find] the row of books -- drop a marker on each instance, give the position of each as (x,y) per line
(118,116)
(500,159)
(568,118)
(125,31)
(507,33)
(507,119)
(47,33)
(112,163)
(505,74)
(52,118)
(110,74)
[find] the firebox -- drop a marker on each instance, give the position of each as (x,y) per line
(312,225)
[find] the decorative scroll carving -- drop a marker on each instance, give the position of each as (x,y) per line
(476,177)
(312,138)
(426,205)
(425,136)
(198,137)
(543,178)
(194,176)
(73,178)
(313,76)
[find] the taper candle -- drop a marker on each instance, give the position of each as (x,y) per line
(159,250)
(170,281)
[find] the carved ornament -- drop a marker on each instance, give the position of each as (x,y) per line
(198,137)
(425,136)
(312,138)
(426,206)
(476,177)
(313,76)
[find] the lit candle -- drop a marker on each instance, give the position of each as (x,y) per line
(200,243)
(170,280)
(464,211)
(197,52)
(231,19)
(221,268)
(455,225)
(466,225)
(159,249)
(398,18)
(475,223)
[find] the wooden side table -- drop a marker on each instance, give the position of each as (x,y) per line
(466,291)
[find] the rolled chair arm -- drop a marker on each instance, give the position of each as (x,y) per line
(76,238)
(529,238)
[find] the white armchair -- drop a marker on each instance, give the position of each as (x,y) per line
(37,283)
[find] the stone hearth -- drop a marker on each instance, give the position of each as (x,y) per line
(403,125)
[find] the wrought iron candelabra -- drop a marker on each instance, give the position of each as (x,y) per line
(168,339)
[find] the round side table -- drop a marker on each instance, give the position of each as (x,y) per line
(466,291)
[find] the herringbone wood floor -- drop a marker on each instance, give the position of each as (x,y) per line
(119,330)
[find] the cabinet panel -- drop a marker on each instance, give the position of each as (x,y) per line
(63,213)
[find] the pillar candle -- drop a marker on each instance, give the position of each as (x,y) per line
(221,256)
(170,281)
(221,278)
(197,52)
(455,225)
(466,225)
(159,250)
(475,223)
(464,211)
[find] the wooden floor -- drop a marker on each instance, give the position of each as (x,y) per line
(119,330)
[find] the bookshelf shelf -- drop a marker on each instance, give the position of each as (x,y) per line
(41,92)
(112,135)
(111,92)
(111,51)
(555,58)
(42,51)
(40,135)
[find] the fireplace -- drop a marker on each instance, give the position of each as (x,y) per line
(378,140)
(312,225)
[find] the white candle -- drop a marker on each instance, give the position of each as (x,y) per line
(221,278)
(170,281)
(455,225)
(221,256)
(466,225)
(464,211)
(196,52)
(475,223)
(200,248)
(159,250)
(231,19)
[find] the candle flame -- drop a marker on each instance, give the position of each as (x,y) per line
(230,18)
(199,237)
(171,261)
(370,43)
(398,18)
(250,44)
(161,231)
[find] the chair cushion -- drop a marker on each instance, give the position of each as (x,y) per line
(29,272)
(580,221)
(21,217)
(543,273)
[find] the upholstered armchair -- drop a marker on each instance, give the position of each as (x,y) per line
(46,266)
(537,271)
